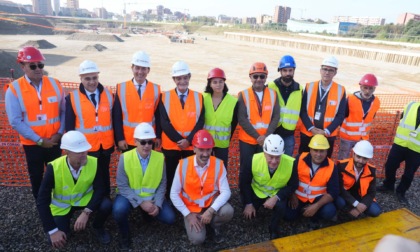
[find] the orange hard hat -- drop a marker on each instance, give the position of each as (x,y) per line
(29,54)
(258,67)
(216,73)
(369,80)
(203,139)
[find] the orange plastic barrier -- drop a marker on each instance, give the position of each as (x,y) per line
(13,163)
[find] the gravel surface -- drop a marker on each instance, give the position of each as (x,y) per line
(22,229)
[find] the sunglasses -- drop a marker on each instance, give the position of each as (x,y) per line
(94,78)
(261,76)
(144,142)
(34,66)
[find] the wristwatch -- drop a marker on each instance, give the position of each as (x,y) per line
(87,211)
(40,141)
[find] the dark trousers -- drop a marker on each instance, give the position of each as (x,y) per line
(304,142)
(104,210)
(36,159)
(223,154)
(278,211)
(104,158)
(172,158)
(326,212)
(397,155)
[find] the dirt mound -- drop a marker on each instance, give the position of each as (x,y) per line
(7,62)
(41,44)
(125,35)
(95,47)
(95,37)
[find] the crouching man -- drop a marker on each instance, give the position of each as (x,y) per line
(200,191)
(72,182)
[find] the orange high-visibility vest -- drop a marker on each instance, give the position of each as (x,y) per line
(42,116)
(349,178)
(260,123)
(183,120)
(355,127)
(96,126)
(134,110)
(194,194)
(334,97)
(309,188)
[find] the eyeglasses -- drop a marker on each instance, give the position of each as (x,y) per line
(144,142)
(261,76)
(94,78)
(39,65)
(328,70)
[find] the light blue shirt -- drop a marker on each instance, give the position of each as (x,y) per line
(144,162)
(14,114)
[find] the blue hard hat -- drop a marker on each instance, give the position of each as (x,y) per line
(287,61)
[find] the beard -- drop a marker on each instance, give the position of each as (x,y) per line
(287,79)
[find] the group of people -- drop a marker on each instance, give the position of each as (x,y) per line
(193,131)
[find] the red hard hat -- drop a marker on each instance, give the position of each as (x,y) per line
(216,73)
(369,80)
(203,139)
(29,54)
(258,67)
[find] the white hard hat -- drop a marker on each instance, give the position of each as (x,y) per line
(75,141)
(180,68)
(141,58)
(88,66)
(273,145)
(330,61)
(144,131)
(363,148)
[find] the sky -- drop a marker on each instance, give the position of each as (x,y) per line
(323,9)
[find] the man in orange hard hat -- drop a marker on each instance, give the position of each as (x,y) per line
(258,115)
(200,191)
(35,109)
(360,112)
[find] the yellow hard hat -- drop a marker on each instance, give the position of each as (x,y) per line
(319,142)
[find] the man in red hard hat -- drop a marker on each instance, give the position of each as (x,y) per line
(35,108)
(200,191)
(361,110)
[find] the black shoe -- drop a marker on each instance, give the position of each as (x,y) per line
(402,199)
(102,235)
(274,235)
(383,188)
(217,236)
(124,242)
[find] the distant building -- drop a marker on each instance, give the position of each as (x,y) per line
(404,18)
(73,4)
(101,13)
(42,7)
(281,14)
(331,28)
(249,20)
(360,20)
(56,7)
(264,19)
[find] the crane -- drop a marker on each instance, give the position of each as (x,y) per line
(125,13)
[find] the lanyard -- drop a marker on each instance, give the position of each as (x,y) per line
(38,92)
(325,94)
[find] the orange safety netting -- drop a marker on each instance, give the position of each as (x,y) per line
(13,170)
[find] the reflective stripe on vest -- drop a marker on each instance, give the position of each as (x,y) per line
(79,114)
(407,134)
(66,193)
(262,183)
(144,185)
(349,178)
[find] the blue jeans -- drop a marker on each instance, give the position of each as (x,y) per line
(373,210)
(326,212)
(63,222)
(122,208)
(289,145)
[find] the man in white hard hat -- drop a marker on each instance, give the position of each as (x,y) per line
(358,182)
(361,109)
(270,182)
(88,110)
(141,182)
(323,106)
(136,101)
(73,183)
(182,115)
(35,109)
